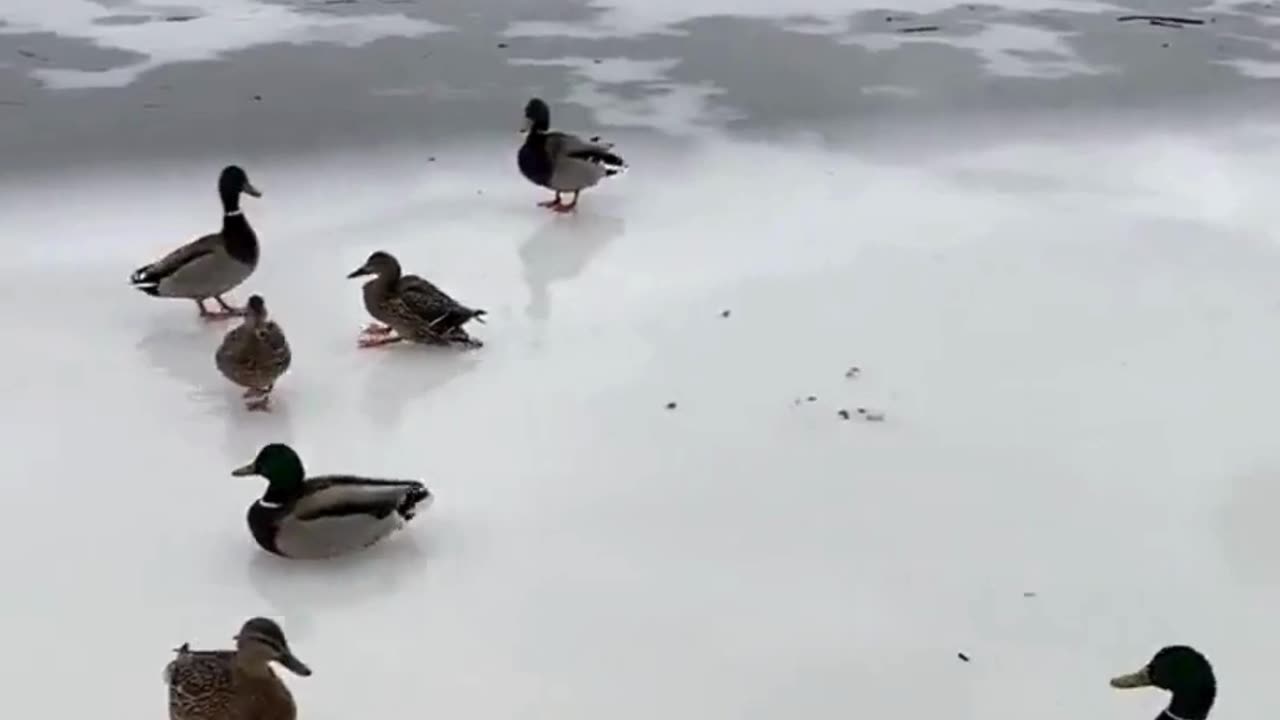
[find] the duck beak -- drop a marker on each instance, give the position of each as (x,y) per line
(359,272)
(245,471)
(524,126)
(296,666)
(1141,678)
(249,188)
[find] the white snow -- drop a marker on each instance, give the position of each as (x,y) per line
(1073,340)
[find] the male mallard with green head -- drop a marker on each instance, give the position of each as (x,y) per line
(410,307)
(234,684)
(209,266)
(327,515)
(560,161)
(254,355)
(1182,671)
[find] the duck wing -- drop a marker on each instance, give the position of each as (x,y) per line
(151,275)
(334,496)
(424,300)
(562,145)
(198,682)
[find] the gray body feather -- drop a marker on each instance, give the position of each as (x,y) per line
(371,511)
(198,270)
(570,173)
(333,536)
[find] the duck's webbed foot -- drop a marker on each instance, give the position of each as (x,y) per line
(553,203)
(258,399)
(208,316)
(376,340)
(228,310)
(376,329)
(561,208)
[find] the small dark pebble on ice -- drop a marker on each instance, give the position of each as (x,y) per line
(180,18)
(724,313)
(597,61)
(853,372)
(431,159)
(844,415)
(1028,594)
(963,657)
(811,398)
(502,45)
(257,97)
(671,406)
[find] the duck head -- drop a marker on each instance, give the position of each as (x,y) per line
(256,309)
(234,180)
(537,116)
(1183,671)
(261,640)
(282,468)
(380,263)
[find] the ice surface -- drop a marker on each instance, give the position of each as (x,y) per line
(187,31)
(1073,338)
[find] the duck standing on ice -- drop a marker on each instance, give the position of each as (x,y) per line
(411,307)
(560,161)
(209,266)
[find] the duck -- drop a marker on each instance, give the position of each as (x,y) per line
(562,162)
(209,266)
(240,683)
(1183,671)
(327,515)
(254,355)
(410,307)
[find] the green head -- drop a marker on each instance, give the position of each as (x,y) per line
(282,468)
(1183,671)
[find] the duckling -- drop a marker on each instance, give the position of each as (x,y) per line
(227,684)
(327,515)
(209,266)
(411,307)
(1182,671)
(560,161)
(254,355)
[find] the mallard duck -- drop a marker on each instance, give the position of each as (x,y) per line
(1182,671)
(232,684)
(254,355)
(209,266)
(410,307)
(562,162)
(328,515)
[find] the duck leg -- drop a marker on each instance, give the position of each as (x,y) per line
(258,398)
(226,312)
(376,329)
(551,203)
(573,204)
(369,341)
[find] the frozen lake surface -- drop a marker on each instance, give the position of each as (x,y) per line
(1065,313)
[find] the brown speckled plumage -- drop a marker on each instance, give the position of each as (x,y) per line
(413,307)
(234,685)
(255,354)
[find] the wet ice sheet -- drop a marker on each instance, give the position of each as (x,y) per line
(1069,337)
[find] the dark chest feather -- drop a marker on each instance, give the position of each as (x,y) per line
(263,523)
(240,239)
(534,162)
